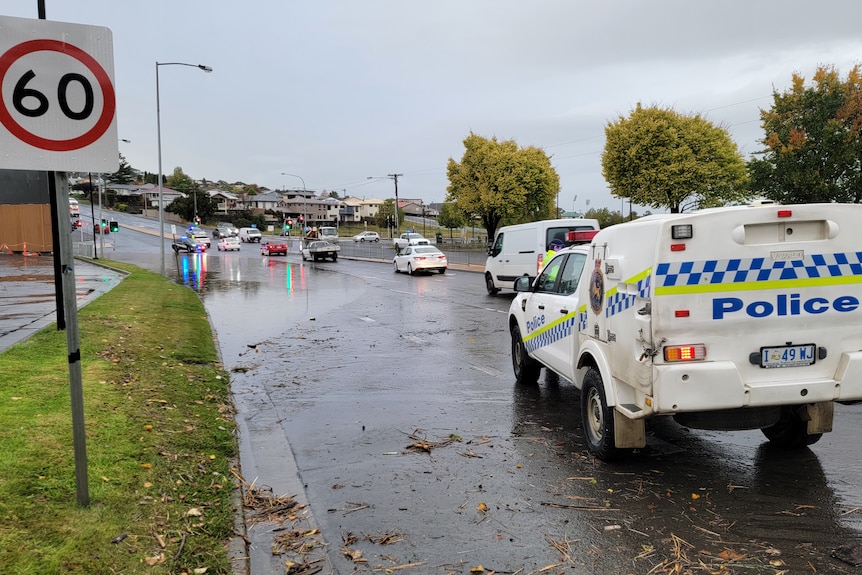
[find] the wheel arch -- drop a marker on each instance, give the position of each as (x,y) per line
(590,356)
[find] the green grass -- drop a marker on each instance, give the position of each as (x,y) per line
(160,441)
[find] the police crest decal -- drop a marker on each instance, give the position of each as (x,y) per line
(597,288)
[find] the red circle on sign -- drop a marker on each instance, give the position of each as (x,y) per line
(105,119)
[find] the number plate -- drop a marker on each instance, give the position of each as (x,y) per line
(787,356)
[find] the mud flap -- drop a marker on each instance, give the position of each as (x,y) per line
(820,417)
(629,433)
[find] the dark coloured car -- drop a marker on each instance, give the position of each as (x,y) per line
(188,244)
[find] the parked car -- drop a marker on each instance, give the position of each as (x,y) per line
(414,259)
(250,235)
(228,227)
(188,244)
(199,234)
(228,243)
(366,237)
(271,248)
(104,229)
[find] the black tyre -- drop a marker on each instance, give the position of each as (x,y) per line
(442,271)
(791,431)
(335,257)
(489,285)
(526,368)
(176,249)
(361,240)
(597,418)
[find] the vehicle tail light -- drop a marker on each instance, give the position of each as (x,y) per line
(691,352)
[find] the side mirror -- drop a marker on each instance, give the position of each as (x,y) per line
(522,284)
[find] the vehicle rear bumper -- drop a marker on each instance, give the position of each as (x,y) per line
(718,385)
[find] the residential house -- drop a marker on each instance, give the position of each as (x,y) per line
(227,202)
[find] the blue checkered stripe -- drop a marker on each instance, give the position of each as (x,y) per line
(552,334)
(758,269)
(582,319)
(618,302)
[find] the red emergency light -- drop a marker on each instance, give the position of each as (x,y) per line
(582,237)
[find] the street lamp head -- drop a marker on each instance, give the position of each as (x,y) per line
(205,68)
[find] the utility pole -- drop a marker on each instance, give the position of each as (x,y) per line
(395,177)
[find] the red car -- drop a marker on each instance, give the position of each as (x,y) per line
(273,248)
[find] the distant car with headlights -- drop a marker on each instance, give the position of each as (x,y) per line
(366,237)
(272,248)
(228,243)
(228,228)
(189,244)
(199,234)
(422,258)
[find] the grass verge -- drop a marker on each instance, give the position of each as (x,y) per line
(160,441)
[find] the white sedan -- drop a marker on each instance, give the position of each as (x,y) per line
(414,259)
(366,237)
(228,243)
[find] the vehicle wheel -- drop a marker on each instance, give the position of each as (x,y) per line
(335,257)
(304,258)
(597,417)
(377,240)
(395,267)
(442,271)
(489,285)
(791,431)
(526,368)
(361,240)
(176,249)
(410,270)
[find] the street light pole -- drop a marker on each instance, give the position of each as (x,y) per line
(304,200)
(159,142)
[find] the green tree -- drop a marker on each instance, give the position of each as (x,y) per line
(659,158)
(450,217)
(605,217)
(386,211)
(124,175)
(179,181)
(813,141)
(500,183)
(185,207)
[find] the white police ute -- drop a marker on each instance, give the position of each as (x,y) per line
(746,317)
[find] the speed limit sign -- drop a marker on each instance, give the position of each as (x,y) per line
(57,101)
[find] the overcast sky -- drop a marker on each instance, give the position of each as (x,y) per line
(335,91)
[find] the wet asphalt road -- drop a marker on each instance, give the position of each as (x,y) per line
(412,445)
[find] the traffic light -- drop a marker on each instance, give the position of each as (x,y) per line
(301,220)
(197,220)
(115,226)
(288,224)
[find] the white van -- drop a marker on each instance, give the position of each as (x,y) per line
(726,319)
(520,250)
(249,235)
(74,208)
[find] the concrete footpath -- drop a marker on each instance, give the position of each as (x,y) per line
(27,293)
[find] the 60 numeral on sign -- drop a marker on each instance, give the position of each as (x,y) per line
(21,92)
